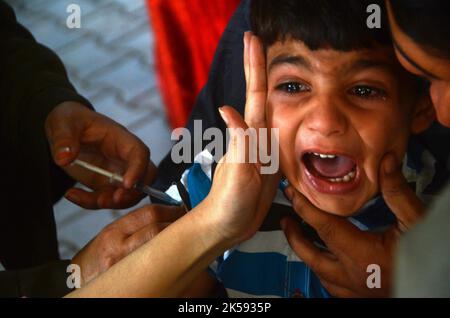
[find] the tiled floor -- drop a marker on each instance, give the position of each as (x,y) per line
(110,61)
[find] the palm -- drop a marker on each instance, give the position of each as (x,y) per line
(241,194)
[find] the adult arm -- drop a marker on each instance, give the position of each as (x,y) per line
(232,212)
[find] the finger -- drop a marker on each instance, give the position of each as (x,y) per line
(319,262)
(336,290)
(238,148)
(64,138)
(255,114)
(397,194)
(338,234)
(144,235)
(138,164)
(118,144)
(149,214)
(98,199)
(127,198)
(232,118)
(247,37)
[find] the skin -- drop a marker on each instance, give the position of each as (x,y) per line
(334,102)
(422,62)
(74,131)
(232,212)
(344,274)
(122,237)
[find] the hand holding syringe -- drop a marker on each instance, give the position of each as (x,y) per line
(153,193)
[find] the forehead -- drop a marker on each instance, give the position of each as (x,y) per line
(414,57)
(328,60)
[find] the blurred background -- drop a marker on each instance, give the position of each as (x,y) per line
(110,61)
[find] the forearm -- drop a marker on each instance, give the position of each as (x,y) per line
(163,267)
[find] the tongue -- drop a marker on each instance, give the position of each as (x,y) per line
(332,167)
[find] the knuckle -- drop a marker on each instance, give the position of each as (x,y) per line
(144,213)
(396,189)
(150,215)
(327,230)
(107,262)
(108,234)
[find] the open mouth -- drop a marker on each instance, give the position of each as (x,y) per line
(331,173)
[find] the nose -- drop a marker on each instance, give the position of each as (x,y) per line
(326,118)
(440,96)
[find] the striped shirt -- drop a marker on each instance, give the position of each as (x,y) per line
(265,265)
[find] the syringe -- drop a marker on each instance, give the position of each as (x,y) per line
(153,193)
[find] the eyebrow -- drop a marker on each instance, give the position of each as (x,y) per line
(410,61)
(353,67)
(364,63)
(297,60)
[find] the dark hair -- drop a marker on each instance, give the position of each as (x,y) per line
(340,24)
(427,22)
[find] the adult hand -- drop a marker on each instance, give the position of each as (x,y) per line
(123,236)
(74,131)
(343,270)
(241,195)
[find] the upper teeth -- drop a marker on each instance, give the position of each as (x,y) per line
(321,155)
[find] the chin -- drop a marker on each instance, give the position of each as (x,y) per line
(338,206)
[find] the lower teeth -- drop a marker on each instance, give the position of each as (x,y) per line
(345,178)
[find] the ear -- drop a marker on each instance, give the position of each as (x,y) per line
(424,114)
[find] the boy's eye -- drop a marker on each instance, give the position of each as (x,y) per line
(293,87)
(365,91)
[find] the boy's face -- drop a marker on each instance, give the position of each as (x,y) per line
(338,114)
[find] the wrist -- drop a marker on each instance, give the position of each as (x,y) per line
(69,111)
(211,228)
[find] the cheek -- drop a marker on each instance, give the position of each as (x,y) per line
(284,118)
(384,133)
(440,95)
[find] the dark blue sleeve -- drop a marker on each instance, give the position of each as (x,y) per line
(225,86)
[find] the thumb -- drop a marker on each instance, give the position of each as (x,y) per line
(64,139)
(232,118)
(236,127)
(397,194)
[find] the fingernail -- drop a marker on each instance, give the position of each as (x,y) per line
(63,153)
(127,183)
(390,164)
(247,36)
(223,115)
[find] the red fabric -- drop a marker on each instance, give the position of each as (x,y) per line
(186,34)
